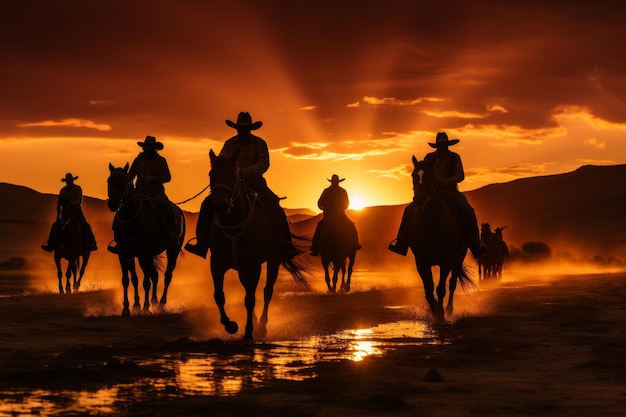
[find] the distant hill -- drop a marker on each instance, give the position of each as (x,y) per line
(582,213)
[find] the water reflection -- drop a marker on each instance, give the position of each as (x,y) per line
(219,374)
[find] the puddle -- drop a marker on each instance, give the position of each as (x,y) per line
(221,375)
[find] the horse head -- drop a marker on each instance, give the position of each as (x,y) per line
(224,181)
(422,180)
(119,187)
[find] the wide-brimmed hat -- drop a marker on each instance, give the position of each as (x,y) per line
(335,179)
(151,142)
(69,177)
(442,140)
(244,121)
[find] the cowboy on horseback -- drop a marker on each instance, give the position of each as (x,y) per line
(334,202)
(253,162)
(151,171)
(70,199)
(447,172)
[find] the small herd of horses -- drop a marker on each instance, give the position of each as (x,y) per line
(241,240)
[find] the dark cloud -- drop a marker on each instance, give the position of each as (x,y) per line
(182,66)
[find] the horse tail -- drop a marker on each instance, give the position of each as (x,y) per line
(464,279)
(297,270)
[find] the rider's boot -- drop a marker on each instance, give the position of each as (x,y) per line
(112,247)
(399,247)
(199,249)
(47,247)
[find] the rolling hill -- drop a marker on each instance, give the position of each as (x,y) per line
(580,213)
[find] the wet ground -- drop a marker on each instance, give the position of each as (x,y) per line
(74,355)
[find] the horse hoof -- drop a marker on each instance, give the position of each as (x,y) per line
(125,312)
(231,327)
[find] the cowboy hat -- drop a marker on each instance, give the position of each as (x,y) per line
(335,179)
(244,121)
(151,142)
(442,139)
(69,177)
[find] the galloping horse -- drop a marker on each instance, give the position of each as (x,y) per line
(70,244)
(336,246)
(140,234)
(435,239)
(240,238)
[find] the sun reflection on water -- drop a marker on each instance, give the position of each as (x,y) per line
(209,373)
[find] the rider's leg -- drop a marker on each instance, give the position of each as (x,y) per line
(401,246)
(49,245)
(201,247)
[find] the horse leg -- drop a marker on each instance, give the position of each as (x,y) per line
(57,262)
(249,277)
(350,266)
(172,258)
(453,281)
(124,265)
(220,299)
(343,278)
(147,266)
(441,286)
(83,266)
(326,265)
(426,274)
(268,292)
(68,276)
(335,276)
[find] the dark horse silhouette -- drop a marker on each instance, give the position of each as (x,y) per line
(490,264)
(336,246)
(70,244)
(435,239)
(140,234)
(240,238)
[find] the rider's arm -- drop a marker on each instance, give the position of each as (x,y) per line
(262,160)
(458,174)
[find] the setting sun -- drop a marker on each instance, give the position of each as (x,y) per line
(357,203)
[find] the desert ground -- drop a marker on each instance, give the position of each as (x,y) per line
(543,341)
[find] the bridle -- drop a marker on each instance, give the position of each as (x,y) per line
(125,196)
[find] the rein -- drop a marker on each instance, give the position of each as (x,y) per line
(234,232)
(125,198)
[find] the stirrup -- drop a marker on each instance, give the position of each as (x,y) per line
(112,247)
(397,249)
(196,249)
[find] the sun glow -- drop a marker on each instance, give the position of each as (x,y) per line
(357,203)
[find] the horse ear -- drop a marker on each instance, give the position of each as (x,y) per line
(414,159)
(111,167)
(212,155)
(126,167)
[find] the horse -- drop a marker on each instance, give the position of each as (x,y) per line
(491,262)
(337,246)
(436,240)
(241,238)
(138,229)
(70,244)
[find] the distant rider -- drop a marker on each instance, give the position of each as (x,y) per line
(70,198)
(334,202)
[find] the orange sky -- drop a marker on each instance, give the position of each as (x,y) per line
(530,88)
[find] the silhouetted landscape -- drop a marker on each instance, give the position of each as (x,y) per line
(580,215)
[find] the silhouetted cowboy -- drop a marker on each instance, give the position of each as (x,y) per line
(151,171)
(71,198)
(253,162)
(334,202)
(447,173)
